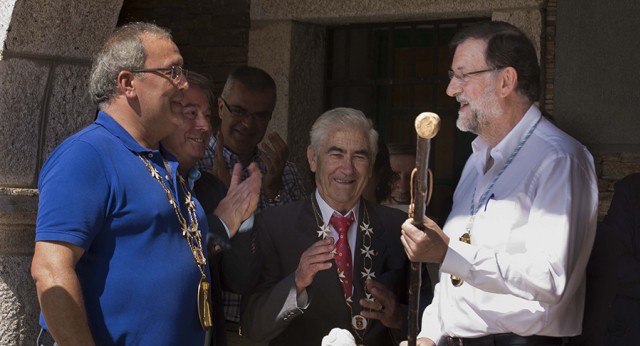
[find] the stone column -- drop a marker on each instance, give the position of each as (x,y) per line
(294,54)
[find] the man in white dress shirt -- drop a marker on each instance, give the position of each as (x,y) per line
(514,249)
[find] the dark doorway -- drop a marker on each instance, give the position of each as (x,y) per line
(393,72)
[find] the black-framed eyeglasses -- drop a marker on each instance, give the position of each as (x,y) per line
(242,113)
(464,77)
(175,72)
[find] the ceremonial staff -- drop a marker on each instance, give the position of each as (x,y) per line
(427,126)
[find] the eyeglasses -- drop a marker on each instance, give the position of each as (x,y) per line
(465,76)
(239,112)
(175,72)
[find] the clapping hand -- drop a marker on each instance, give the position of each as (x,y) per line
(241,199)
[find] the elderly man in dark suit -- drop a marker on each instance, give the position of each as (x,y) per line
(334,261)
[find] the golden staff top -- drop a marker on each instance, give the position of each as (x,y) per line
(427,125)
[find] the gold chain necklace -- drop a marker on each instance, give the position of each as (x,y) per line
(191,233)
(358,322)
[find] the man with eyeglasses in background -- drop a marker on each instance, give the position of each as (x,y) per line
(514,249)
(245,108)
(119,253)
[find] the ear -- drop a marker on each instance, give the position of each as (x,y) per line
(126,84)
(311,157)
(508,81)
(220,106)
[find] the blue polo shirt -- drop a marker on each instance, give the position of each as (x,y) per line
(139,279)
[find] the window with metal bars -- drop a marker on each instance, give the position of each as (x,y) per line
(393,72)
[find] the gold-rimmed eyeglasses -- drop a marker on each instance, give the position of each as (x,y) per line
(464,77)
(175,72)
(239,112)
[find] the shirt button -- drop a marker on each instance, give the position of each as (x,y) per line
(150,155)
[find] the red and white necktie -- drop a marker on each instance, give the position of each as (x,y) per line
(343,251)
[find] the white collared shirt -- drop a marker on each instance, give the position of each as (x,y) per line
(327,211)
(524,271)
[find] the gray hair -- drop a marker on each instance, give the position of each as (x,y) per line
(201,81)
(123,50)
(343,118)
(253,78)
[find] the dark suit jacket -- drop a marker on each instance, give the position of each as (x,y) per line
(614,264)
(284,234)
(233,263)
(623,219)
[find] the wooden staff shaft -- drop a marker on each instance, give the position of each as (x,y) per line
(427,126)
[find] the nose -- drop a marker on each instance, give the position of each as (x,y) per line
(203,122)
(347,165)
(182,83)
(454,88)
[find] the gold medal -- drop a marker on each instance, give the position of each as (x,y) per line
(359,322)
(204,308)
(192,235)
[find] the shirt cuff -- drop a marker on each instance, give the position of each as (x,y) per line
(246,225)
(456,260)
(225,228)
(302,300)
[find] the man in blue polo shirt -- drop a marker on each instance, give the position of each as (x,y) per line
(118,257)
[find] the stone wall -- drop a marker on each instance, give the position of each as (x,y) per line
(610,168)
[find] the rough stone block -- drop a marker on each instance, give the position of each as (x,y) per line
(6,10)
(59,28)
(18,209)
(22,88)
(353,11)
(70,108)
(19,307)
(530,21)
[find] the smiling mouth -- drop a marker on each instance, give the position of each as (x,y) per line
(400,201)
(344,181)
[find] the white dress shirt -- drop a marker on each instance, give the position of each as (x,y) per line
(524,271)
